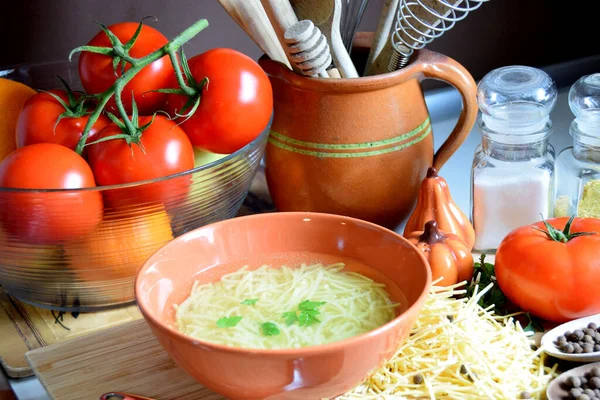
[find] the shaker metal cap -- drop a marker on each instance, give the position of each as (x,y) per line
(516,100)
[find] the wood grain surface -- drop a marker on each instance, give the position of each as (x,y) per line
(126,358)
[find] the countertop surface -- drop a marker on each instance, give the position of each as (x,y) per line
(444,106)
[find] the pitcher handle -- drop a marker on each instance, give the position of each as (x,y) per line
(432,65)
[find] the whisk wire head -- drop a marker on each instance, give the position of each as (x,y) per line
(419,22)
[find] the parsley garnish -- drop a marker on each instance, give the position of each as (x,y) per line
(310,305)
(534,325)
(249,302)
(306,314)
(486,276)
(308,317)
(495,296)
(290,317)
(270,329)
(228,322)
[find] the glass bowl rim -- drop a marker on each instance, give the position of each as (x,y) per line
(6,70)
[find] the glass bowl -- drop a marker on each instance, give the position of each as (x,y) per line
(91,263)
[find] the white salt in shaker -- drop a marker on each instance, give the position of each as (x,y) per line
(512,179)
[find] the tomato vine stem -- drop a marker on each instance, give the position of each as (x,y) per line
(137,64)
(189,91)
(561,236)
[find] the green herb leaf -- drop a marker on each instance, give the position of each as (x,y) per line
(270,329)
(487,275)
(228,322)
(306,314)
(310,305)
(308,317)
(290,317)
(534,324)
(249,302)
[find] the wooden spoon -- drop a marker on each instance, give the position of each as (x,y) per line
(382,34)
(251,17)
(326,16)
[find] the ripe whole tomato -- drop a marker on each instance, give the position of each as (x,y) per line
(554,280)
(37,122)
(164,150)
(98,75)
(48,217)
(235,106)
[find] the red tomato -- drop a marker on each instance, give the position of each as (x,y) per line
(235,106)
(556,281)
(37,122)
(48,217)
(164,150)
(97,73)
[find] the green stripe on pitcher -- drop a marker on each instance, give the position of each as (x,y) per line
(274,141)
(350,146)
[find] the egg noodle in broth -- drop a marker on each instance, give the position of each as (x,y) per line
(286,307)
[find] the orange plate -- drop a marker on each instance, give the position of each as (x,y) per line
(315,372)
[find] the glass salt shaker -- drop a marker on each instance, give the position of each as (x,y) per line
(512,178)
(578,167)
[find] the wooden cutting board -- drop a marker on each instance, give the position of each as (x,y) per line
(126,358)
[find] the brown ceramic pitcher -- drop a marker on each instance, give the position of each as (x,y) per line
(359,147)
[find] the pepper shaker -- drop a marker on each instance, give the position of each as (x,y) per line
(512,177)
(578,166)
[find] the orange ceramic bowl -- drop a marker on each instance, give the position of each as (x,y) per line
(315,372)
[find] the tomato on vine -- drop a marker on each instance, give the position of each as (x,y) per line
(157,148)
(235,100)
(56,116)
(53,216)
(116,49)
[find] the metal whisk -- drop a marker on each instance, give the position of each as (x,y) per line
(419,22)
(352,13)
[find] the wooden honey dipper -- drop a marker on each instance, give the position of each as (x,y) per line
(307,48)
(305,45)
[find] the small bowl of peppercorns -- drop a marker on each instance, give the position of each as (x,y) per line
(577,340)
(582,383)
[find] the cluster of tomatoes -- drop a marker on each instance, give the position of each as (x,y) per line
(235,106)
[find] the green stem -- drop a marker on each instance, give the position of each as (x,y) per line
(187,35)
(121,108)
(179,75)
(561,236)
(137,66)
(122,54)
(91,121)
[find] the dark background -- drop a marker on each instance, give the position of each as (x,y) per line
(502,32)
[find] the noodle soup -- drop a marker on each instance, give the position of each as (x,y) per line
(286,307)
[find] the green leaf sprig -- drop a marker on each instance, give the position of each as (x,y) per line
(487,275)
(228,322)
(306,314)
(270,329)
(495,296)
